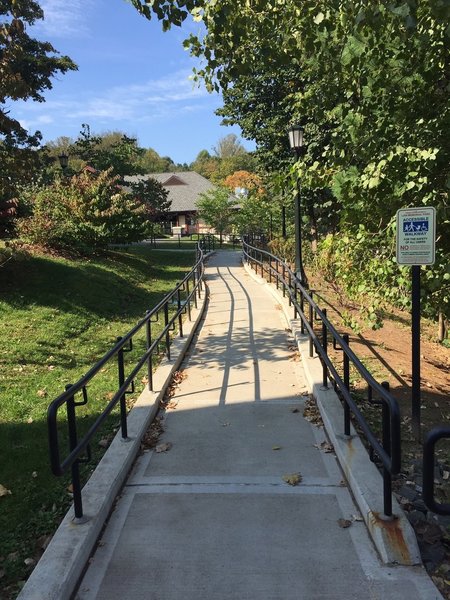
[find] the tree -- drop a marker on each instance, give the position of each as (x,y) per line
(229,146)
(245,180)
(151,162)
(153,196)
(26,68)
(205,164)
(113,150)
(217,208)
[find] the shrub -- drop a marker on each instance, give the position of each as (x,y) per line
(82,213)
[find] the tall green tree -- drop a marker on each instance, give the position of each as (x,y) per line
(112,150)
(26,70)
(154,197)
(152,162)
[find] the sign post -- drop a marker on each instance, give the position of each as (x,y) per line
(416,234)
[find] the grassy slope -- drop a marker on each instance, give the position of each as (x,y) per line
(57,318)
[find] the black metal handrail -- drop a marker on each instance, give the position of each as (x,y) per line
(173,306)
(388,449)
(429,444)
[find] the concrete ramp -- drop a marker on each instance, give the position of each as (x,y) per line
(215,516)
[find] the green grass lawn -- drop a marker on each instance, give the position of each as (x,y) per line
(58,317)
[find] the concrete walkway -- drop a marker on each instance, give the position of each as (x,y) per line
(212,517)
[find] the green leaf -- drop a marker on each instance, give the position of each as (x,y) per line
(401,11)
(319,18)
(352,49)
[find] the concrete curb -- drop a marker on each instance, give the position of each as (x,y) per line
(394,540)
(56,575)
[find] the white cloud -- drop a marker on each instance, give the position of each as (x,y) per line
(122,107)
(65,19)
(45,119)
(149,100)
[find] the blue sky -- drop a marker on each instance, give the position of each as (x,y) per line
(132,77)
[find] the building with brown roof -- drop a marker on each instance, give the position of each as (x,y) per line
(184,190)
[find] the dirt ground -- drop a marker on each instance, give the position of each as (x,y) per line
(386,353)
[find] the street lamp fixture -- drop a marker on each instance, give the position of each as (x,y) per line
(296,143)
(63,161)
(296,139)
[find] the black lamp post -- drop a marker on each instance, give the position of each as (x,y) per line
(63,161)
(296,144)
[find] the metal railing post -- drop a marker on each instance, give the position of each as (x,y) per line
(123,404)
(194,282)
(188,300)
(311,323)
(290,288)
(325,347)
(148,331)
(75,468)
(346,375)
(180,317)
(302,308)
(199,280)
(166,325)
(387,477)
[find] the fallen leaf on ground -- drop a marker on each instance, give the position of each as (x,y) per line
(30,562)
(312,413)
(4,491)
(344,523)
(164,447)
(179,376)
(276,447)
(41,393)
(295,410)
(325,446)
(292,478)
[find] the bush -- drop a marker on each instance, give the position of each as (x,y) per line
(82,213)
(363,264)
(283,248)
